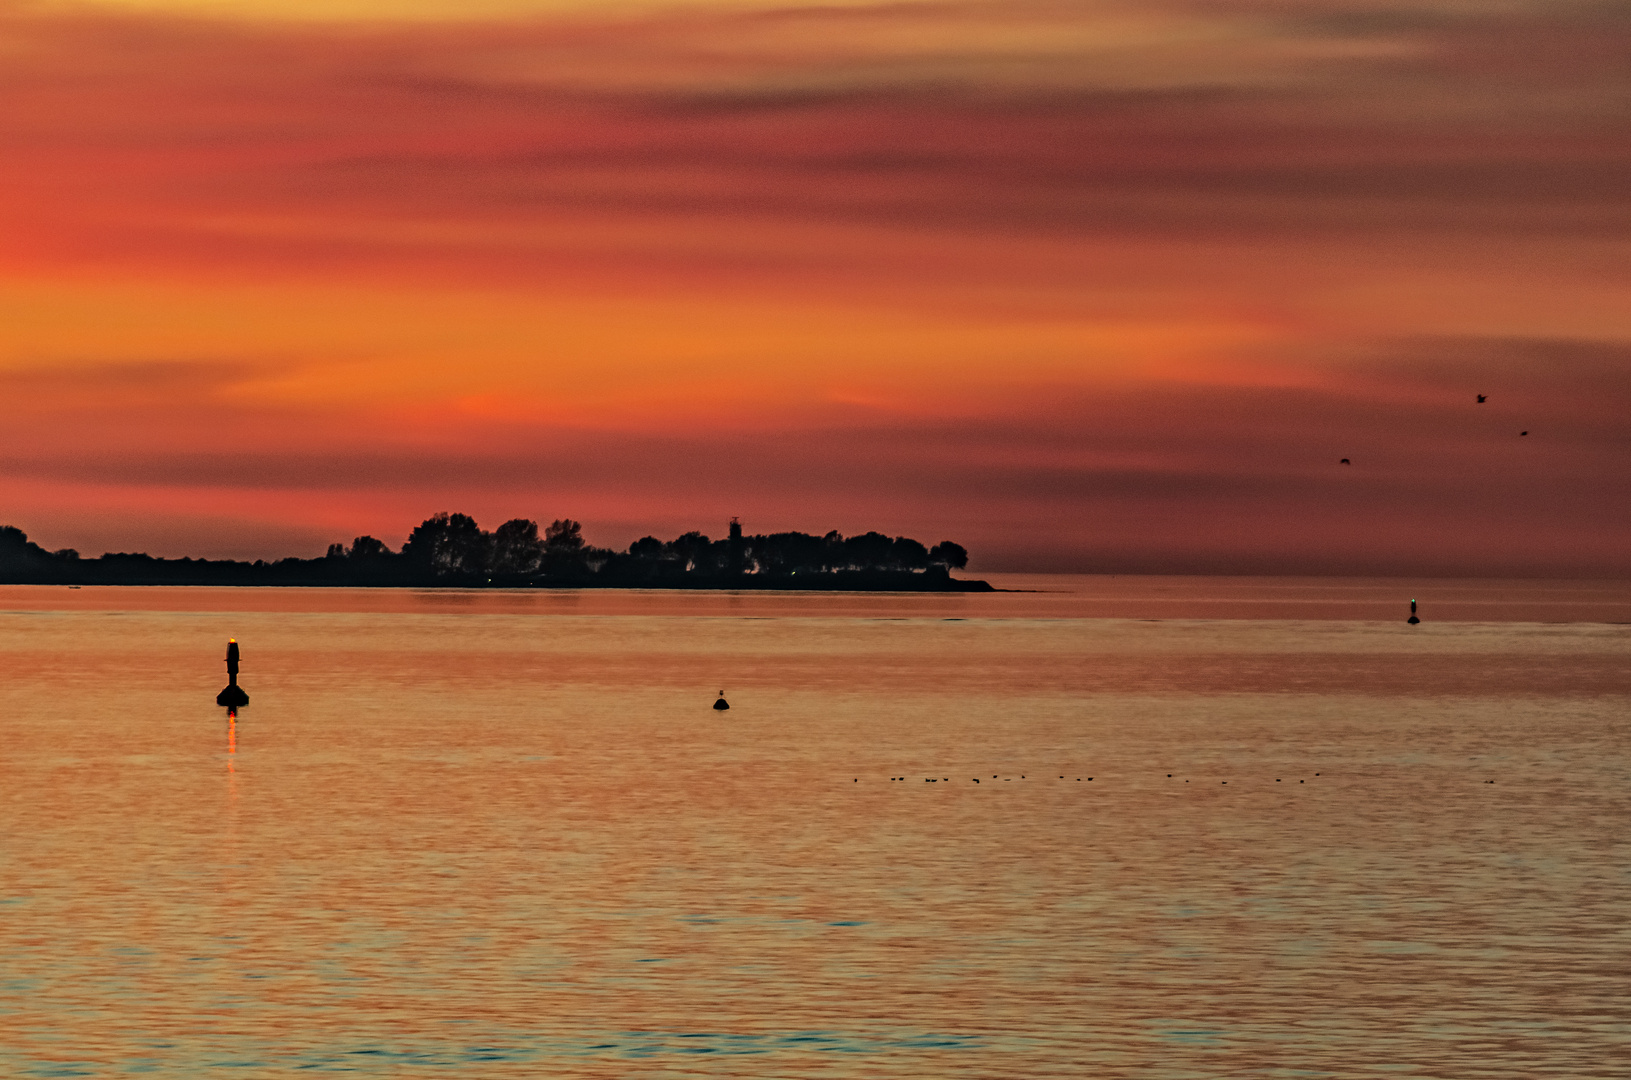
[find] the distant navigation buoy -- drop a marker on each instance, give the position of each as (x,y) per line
(721,705)
(1412,620)
(233,696)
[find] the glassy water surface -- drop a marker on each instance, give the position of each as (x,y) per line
(1128,827)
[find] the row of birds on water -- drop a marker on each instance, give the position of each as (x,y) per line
(1079,779)
(1482,398)
(1007,779)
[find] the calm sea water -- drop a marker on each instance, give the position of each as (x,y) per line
(1220,828)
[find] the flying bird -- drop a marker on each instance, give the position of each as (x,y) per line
(1481,399)
(1345,461)
(1523,433)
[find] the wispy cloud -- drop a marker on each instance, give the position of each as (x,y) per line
(1109,275)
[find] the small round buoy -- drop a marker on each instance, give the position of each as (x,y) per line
(721,705)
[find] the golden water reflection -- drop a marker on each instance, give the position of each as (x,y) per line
(499,844)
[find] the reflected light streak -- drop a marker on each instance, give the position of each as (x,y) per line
(232,748)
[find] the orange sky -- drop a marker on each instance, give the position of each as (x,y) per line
(1080,285)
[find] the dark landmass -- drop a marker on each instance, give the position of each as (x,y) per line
(451,550)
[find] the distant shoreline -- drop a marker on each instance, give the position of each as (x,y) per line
(860,582)
(451,551)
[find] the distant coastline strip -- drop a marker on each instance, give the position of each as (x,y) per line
(449,550)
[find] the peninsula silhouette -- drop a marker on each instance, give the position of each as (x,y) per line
(452,550)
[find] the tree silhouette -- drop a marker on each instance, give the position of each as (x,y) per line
(448,545)
(693,551)
(951,556)
(367,548)
(564,535)
(15,544)
(647,547)
(516,547)
(869,551)
(22,560)
(908,554)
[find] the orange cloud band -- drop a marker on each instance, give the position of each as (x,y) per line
(1075,285)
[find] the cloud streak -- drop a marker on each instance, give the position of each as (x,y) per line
(1090,285)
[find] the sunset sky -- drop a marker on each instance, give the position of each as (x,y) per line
(1083,286)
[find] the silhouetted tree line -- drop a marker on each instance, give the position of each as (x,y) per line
(453,550)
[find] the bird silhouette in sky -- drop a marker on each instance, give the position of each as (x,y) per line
(1521,433)
(1345,461)
(1481,399)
